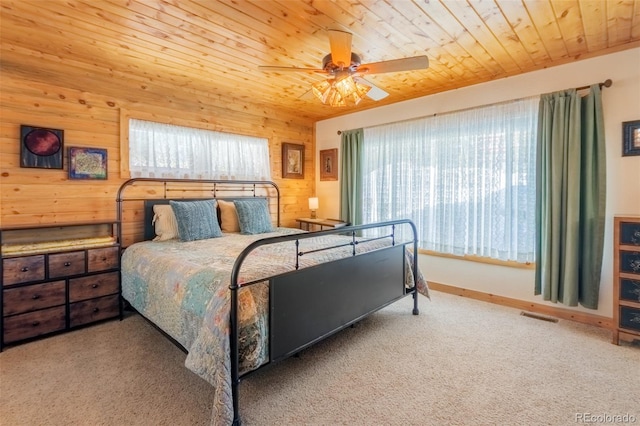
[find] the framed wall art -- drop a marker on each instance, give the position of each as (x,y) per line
(292,161)
(329,164)
(41,147)
(87,163)
(631,138)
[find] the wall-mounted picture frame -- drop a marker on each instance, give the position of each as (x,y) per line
(329,164)
(631,138)
(292,161)
(87,163)
(41,147)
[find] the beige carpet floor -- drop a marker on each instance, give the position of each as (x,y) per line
(460,362)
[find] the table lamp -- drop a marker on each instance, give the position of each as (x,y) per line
(313,206)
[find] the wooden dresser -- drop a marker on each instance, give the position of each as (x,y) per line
(61,277)
(626,278)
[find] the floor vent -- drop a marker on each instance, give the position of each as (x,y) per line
(538,316)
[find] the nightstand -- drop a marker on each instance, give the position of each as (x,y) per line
(322,223)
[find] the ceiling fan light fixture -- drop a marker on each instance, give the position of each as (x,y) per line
(345,85)
(341,91)
(321,90)
(335,99)
(359,92)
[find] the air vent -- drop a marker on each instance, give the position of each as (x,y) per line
(538,316)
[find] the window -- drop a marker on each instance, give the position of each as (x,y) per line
(466,179)
(169,151)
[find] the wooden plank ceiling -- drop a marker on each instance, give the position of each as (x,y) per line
(216,47)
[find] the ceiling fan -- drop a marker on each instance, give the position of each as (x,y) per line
(345,84)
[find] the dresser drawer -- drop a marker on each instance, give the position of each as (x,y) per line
(65,264)
(22,269)
(102,259)
(630,261)
(32,297)
(630,290)
(630,318)
(93,286)
(93,310)
(630,233)
(32,324)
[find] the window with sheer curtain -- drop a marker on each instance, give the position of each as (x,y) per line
(168,151)
(466,179)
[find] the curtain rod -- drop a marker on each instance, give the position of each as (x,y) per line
(607,83)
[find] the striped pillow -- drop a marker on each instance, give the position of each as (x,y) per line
(197,220)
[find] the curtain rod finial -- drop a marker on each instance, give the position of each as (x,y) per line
(339,132)
(608,83)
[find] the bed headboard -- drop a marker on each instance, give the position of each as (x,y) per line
(136,198)
(149,231)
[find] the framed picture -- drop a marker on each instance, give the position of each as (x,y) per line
(292,161)
(329,164)
(87,163)
(41,147)
(631,138)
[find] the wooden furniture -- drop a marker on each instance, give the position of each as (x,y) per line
(322,223)
(57,277)
(626,278)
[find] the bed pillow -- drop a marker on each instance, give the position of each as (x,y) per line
(228,216)
(253,216)
(197,220)
(164,222)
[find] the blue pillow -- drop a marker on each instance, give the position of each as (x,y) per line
(197,220)
(253,216)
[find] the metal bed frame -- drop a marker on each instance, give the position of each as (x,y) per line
(364,282)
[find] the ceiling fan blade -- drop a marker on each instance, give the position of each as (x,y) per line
(395,65)
(307,96)
(340,42)
(374,92)
(287,69)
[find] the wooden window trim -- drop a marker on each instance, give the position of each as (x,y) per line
(480,259)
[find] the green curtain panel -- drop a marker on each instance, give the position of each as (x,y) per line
(351,176)
(570,197)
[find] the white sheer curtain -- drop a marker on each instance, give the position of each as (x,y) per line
(169,151)
(467,179)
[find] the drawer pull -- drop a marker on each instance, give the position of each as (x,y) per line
(96,310)
(104,259)
(67,264)
(94,286)
(25,269)
(35,323)
(35,297)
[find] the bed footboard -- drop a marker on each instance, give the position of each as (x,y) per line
(310,304)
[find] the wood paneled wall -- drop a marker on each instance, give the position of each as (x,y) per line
(39,93)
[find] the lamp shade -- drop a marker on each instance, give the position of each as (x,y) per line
(313,203)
